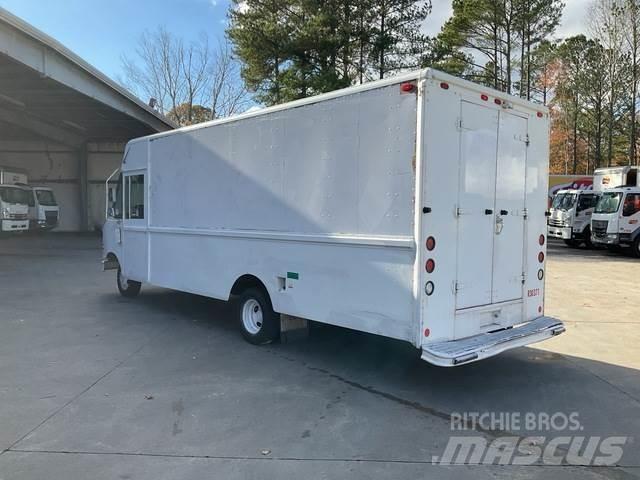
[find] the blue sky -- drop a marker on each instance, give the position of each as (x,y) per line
(100,31)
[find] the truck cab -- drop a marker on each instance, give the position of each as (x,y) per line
(14,208)
(570,216)
(616,219)
(44,211)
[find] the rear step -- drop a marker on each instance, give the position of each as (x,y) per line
(456,352)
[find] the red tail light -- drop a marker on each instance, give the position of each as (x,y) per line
(431,243)
(430,265)
(541,257)
(541,240)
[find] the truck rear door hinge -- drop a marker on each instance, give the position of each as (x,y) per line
(526,140)
(523,277)
(525,213)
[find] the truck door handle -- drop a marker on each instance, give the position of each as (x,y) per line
(488,211)
(504,212)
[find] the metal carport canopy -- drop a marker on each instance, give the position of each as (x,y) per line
(48,92)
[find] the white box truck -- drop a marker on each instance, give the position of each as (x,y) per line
(14,199)
(570,216)
(616,219)
(44,212)
(411,207)
(611,225)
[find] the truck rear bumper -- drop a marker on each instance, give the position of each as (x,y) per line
(564,233)
(466,350)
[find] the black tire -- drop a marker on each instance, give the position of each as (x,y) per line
(587,238)
(572,243)
(635,247)
(258,322)
(128,288)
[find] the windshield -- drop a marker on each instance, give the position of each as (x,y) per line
(564,201)
(46,198)
(608,203)
(14,195)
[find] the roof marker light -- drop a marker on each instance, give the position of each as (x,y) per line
(484,97)
(497,101)
(407,87)
(539,114)
(444,85)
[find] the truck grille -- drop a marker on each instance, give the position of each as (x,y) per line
(599,227)
(17,216)
(51,217)
(556,223)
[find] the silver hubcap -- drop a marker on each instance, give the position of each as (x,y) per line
(252,316)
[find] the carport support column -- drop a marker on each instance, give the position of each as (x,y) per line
(83,179)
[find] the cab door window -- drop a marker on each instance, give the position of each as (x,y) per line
(586,202)
(631,204)
(134,197)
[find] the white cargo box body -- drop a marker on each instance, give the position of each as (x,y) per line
(329,202)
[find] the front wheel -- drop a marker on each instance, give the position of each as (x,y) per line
(258,322)
(127,288)
(587,238)
(635,248)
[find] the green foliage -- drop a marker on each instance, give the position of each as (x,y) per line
(292,49)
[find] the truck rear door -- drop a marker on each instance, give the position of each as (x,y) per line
(491,207)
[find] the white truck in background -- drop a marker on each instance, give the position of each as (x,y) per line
(411,207)
(570,216)
(44,211)
(615,220)
(14,199)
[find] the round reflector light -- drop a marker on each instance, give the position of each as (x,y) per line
(429,287)
(430,265)
(431,243)
(540,274)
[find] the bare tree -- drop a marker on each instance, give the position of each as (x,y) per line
(182,79)
(228,93)
(607,27)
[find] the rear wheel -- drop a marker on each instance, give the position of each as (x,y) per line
(258,322)
(127,288)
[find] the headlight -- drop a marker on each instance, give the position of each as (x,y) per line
(5,212)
